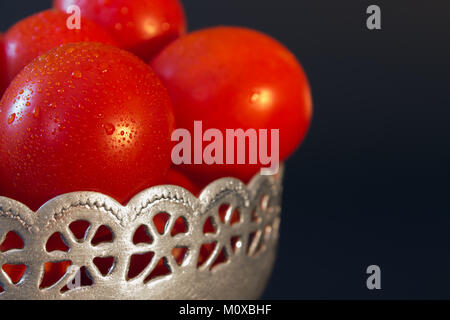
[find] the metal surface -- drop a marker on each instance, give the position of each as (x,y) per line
(244,274)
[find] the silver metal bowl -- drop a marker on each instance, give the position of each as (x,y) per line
(246,249)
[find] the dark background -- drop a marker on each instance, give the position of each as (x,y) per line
(370,183)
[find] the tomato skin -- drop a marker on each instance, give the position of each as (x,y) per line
(143,27)
(233,78)
(176,178)
(37,34)
(3,81)
(84,117)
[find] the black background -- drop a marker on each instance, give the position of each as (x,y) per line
(370,183)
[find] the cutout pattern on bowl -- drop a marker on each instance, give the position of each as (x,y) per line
(77,244)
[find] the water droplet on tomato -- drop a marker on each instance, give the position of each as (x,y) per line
(11,118)
(36,112)
(262,98)
(166,26)
(77,74)
(109,129)
(255,97)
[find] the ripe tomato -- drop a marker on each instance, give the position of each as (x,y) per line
(176,178)
(37,34)
(84,116)
(143,27)
(235,78)
(3,81)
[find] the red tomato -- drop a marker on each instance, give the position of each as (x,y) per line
(143,27)
(176,178)
(235,78)
(3,81)
(36,35)
(84,116)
